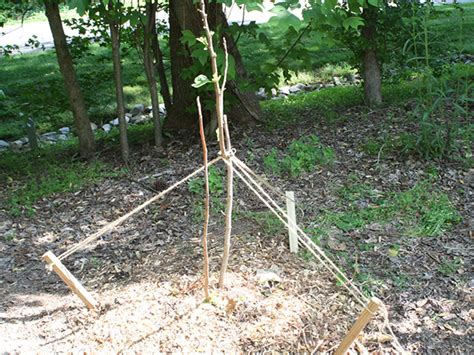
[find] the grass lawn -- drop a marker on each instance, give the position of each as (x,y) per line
(33,85)
(34,88)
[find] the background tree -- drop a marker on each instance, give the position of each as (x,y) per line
(354,24)
(189,57)
(114,18)
(150,19)
(160,67)
(66,66)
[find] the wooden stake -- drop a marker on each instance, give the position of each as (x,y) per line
(359,325)
(70,280)
(291,211)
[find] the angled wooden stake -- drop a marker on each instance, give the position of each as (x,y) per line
(291,211)
(364,318)
(70,280)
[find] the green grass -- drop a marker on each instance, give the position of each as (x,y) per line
(34,88)
(419,211)
(31,176)
(39,16)
(303,154)
(323,104)
(269,223)
(447,267)
(451,18)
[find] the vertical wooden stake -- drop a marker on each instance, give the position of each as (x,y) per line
(291,211)
(359,325)
(70,280)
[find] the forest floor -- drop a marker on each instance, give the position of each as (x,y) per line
(416,255)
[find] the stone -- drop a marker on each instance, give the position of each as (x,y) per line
(337,80)
(351,78)
(63,137)
(106,127)
(116,122)
(4,145)
(18,144)
(274,92)
(261,94)
(49,135)
(266,276)
(139,119)
(137,109)
(285,90)
(65,130)
(311,87)
(93,126)
(162,109)
(296,88)
(142,118)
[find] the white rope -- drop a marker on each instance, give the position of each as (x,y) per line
(311,246)
(303,238)
(118,221)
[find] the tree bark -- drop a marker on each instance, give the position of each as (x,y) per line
(184,16)
(115,38)
(160,69)
(150,8)
(248,111)
(66,66)
(370,63)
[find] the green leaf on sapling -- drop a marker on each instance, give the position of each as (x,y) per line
(188,38)
(353,22)
(200,81)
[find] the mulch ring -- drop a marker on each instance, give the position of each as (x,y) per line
(272,301)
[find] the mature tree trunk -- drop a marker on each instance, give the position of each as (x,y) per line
(248,110)
(184,16)
(115,38)
(370,64)
(150,9)
(66,66)
(160,69)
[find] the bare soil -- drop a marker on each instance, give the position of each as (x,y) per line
(146,274)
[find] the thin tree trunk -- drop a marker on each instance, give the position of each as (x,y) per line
(160,69)
(66,66)
(224,138)
(150,9)
(115,38)
(370,64)
(206,202)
